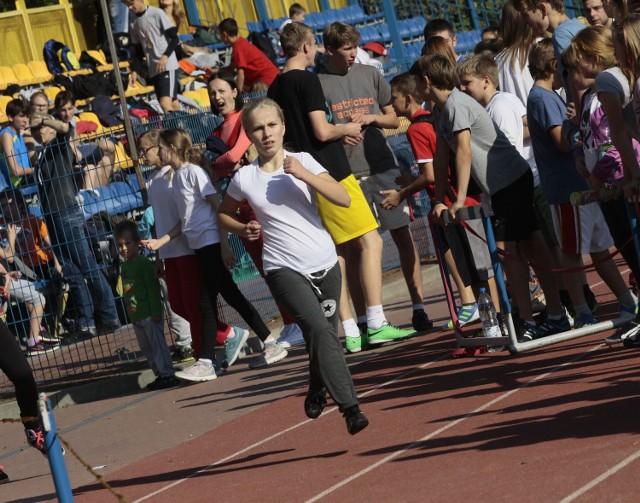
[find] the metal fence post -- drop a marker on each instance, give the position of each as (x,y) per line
(392,22)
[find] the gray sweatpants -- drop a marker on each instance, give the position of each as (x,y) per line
(150,335)
(179,327)
(313,301)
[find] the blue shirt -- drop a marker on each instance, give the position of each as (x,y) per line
(21,155)
(558,174)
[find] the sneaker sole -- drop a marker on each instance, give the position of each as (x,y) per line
(382,341)
(196,379)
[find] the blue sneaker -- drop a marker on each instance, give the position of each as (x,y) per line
(584,320)
(466,314)
(233,346)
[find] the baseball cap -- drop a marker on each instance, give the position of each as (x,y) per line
(376,48)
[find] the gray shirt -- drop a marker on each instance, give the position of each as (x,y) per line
(613,81)
(495,162)
(361,90)
(148,31)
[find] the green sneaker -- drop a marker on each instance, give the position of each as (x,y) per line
(388,332)
(356,344)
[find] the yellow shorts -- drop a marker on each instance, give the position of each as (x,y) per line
(345,224)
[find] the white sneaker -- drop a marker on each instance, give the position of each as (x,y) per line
(273,352)
(198,372)
(291,335)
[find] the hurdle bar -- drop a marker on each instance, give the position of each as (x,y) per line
(54,451)
(478,212)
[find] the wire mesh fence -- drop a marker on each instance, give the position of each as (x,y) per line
(65,301)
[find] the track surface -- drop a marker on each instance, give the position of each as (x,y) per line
(556,424)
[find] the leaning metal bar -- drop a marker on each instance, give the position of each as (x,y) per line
(54,451)
(474,212)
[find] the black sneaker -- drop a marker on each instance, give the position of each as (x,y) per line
(315,402)
(163,383)
(355,419)
(527,332)
(420,321)
(108,327)
(182,355)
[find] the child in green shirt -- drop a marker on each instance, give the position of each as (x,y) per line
(141,292)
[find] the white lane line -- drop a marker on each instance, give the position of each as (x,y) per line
(287,430)
(611,471)
(447,426)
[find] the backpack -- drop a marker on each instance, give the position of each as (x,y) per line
(51,58)
(58,57)
(68,58)
(262,41)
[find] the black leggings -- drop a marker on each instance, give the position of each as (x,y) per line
(217,279)
(14,364)
(615,214)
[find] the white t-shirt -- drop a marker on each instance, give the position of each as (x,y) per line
(514,80)
(286,208)
(165,214)
(191,185)
(507,112)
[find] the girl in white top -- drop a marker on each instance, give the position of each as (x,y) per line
(300,260)
(196,202)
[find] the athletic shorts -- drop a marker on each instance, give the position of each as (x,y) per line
(91,153)
(345,224)
(24,291)
(371,187)
(166,84)
(543,217)
(514,218)
(582,229)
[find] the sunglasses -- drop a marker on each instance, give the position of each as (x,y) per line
(143,151)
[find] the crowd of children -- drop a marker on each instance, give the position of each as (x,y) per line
(517,127)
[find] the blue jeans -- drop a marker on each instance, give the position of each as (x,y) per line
(71,243)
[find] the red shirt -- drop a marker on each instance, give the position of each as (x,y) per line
(253,61)
(422,138)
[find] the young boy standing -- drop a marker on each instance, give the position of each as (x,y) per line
(141,292)
(467,263)
(300,95)
(358,93)
(580,230)
(483,152)
(155,37)
(250,63)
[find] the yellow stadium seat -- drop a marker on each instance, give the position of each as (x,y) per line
(122,160)
(24,75)
(197,97)
(51,92)
(7,77)
(137,90)
(40,71)
(3,106)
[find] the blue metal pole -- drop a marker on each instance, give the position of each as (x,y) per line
(54,451)
(325,5)
(474,14)
(497,265)
(262,10)
(396,39)
(192,12)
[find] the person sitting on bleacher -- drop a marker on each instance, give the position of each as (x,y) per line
(59,181)
(29,247)
(154,36)
(14,160)
(253,68)
(95,157)
(296,15)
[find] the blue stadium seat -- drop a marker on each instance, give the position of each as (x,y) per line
(417,25)
(251,26)
(314,20)
(357,14)
(404,29)
(333,16)
(384,32)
